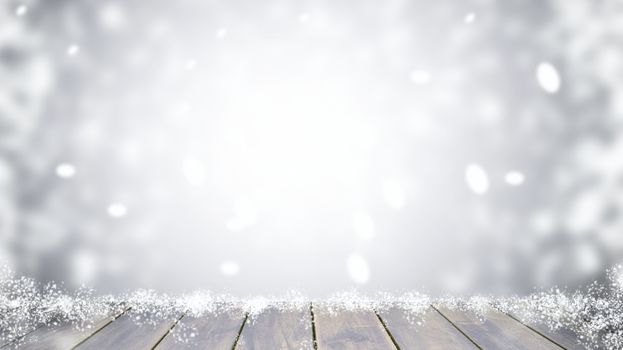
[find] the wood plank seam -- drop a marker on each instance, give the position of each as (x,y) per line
(246,317)
(457,328)
(168,332)
(531,328)
(387,330)
(102,327)
(313,324)
(30,311)
(20,337)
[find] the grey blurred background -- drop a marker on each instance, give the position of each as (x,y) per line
(254,147)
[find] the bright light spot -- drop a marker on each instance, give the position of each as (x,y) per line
(304,17)
(84,266)
(229,268)
(585,212)
(221,33)
(111,16)
(514,178)
(117,210)
(245,216)
(543,222)
(394,194)
(476,179)
(588,259)
(363,225)
(469,18)
(491,109)
(73,50)
(65,170)
(358,269)
(191,64)
(420,77)
(548,77)
(21,10)
(194,171)
(311,146)
(619,277)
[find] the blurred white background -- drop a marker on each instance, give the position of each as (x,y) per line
(256,147)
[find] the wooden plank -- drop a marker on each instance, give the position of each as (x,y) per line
(128,333)
(427,331)
(277,329)
(344,329)
(64,335)
(561,336)
(7,338)
(497,330)
(211,331)
(18,330)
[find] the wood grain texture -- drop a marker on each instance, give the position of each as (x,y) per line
(497,331)
(8,338)
(357,330)
(125,333)
(427,331)
(211,331)
(277,329)
(17,332)
(562,336)
(64,335)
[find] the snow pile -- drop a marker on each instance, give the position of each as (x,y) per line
(594,313)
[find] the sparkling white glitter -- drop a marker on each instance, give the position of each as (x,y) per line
(594,315)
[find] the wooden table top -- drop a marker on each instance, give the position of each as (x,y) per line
(316,326)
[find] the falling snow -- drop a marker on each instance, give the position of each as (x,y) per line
(21,10)
(477,179)
(514,178)
(194,171)
(358,269)
(363,225)
(138,106)
(469,18)
(221,33)
(229,268)
(65,170)
(394,194)
(548,77)
(73,50)
(304,17)
(420,77)
(117,210)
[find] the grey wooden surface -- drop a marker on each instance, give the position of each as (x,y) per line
(211,331)
(64,335)
(392,328)
(563,337)
(19,332)
(427,331)
(126,333)
(274,329)
(496,330)
(357,330)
